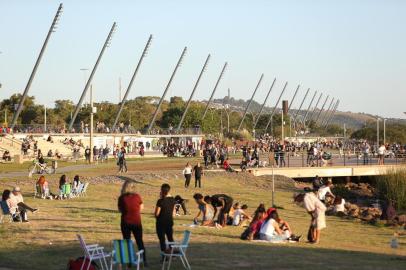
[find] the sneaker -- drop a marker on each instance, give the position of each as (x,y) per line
(34,210)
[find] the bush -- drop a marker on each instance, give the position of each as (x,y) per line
(393,187)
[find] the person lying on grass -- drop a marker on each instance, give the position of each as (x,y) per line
(205,210)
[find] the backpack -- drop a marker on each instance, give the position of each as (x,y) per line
(77,264)
(245,234)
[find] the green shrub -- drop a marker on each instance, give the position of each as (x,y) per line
(392,186)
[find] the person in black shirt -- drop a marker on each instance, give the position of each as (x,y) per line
(164,217)
(225,203)
(198,170)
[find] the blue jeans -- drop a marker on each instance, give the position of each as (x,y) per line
(273,238)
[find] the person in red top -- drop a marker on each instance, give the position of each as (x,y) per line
(227,166)
(130,206)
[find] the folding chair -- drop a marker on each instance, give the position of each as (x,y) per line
(66,191)
(6,213)
(177,250)
(37,191)
(84,190)
(124,253)
(40,193)
(92,253)
(78,190)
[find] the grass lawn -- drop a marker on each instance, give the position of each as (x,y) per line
(49,240)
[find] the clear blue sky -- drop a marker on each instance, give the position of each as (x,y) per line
(352,50)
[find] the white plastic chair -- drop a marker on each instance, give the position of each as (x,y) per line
(177,250)
(84,190)
(92,253)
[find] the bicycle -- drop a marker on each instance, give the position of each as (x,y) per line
(39,168)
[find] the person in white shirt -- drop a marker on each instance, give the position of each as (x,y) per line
(381,154)
(270,230)
(317,211)
(239,216)
(339,205)
(187,172)
(17,201)
(325,191)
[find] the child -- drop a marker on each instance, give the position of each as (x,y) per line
(240,217)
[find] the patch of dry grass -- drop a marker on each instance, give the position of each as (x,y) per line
(49,240)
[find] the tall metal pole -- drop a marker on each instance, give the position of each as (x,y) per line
(293,98)
(27,87)
(332,115)
(263,104)
(276,105)
(308,108)
(45,118)
(315,107)
(144,53)
(384,131)
(89,80)
(193,92)
(326,113)
(301,104)
(151,124)
(377,133)
(249,103)
(214,90)
(332,111)
(91,125)
(322,108)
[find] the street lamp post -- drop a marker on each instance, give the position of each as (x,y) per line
(384,131)
(91,124)
(377,133)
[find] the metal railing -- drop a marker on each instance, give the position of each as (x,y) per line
(39,129)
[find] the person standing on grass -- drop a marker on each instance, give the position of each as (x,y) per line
(198,170)
(164,217)
(317,210)
(225,203)
(187,172)
(130,206)
(122,163)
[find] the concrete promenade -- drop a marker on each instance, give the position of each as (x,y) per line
(331,171)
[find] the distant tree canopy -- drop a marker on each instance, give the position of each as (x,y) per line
(138,113)
(395,133)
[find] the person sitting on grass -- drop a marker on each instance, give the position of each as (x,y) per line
(243,165)
(6,156)
(227,166)
(339,206)
(205,209)
(62,181)
(75,185)
(270,230)
(17,201)
(252,232)
(240,218)
(6,206)
(44,186)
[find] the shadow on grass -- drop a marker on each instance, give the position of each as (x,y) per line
(96,210)
(238,255)
(125,178)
